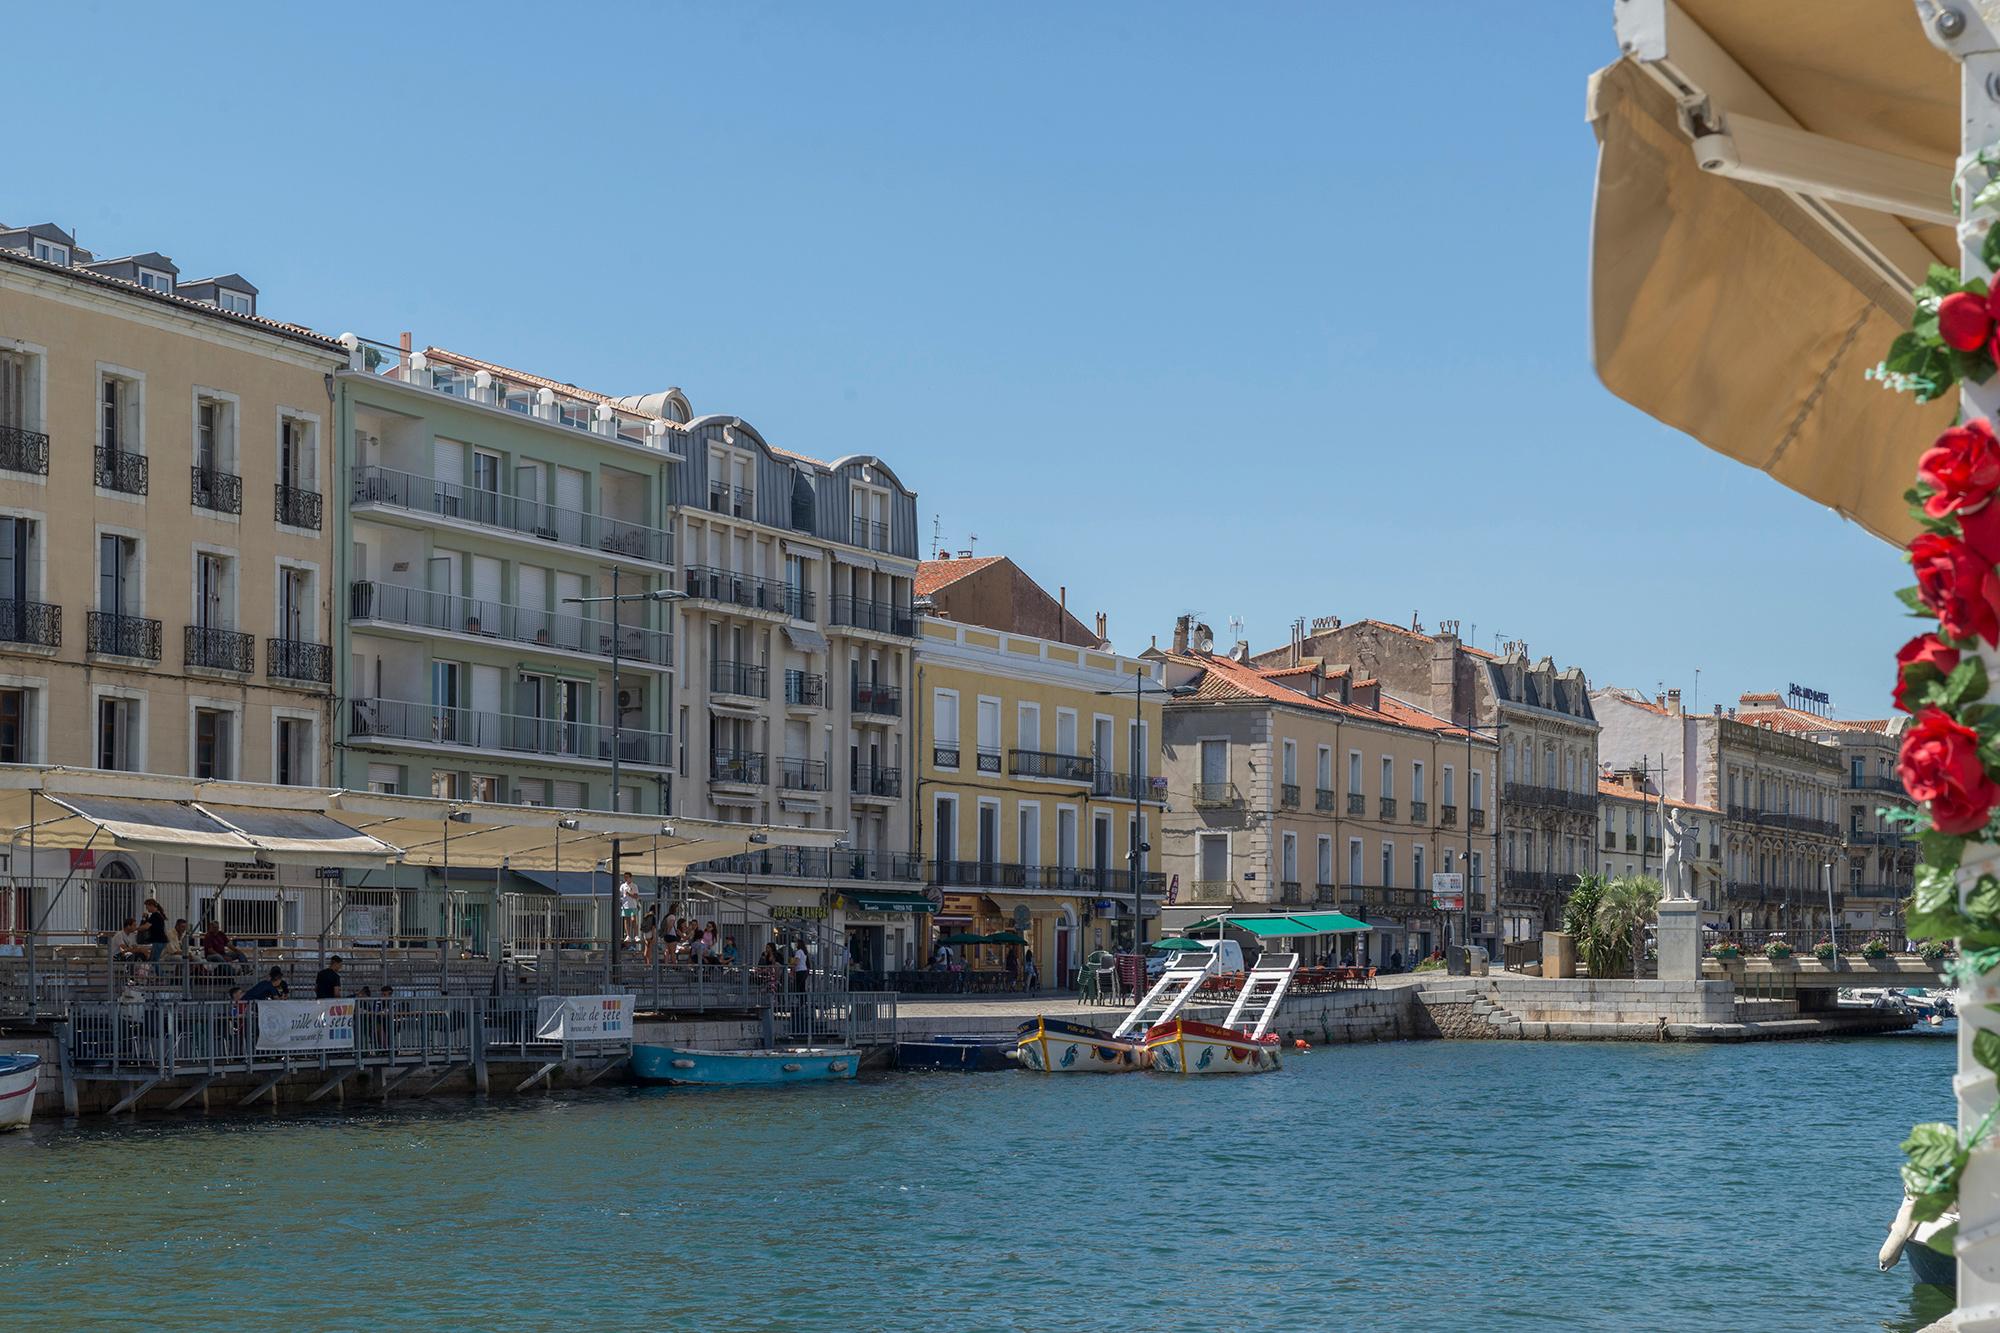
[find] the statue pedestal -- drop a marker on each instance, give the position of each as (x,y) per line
(1679,937)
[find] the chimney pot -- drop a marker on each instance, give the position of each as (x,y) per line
(1181,636)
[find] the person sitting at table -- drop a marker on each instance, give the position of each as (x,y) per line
(729,952)
(217,947)
(125,943)
(271,987)
(181,942)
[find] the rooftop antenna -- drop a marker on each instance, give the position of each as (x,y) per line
(1235,629)
(935,532)
(1694,703)
(971,541)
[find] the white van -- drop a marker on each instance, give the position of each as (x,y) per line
(1226,957)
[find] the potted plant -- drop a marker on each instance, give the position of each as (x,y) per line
(1725,951)
(1875,948)
(1777,950)
(1825,951)
(1932,951)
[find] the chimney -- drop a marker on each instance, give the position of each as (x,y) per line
(1674,702)
(1062,612)
(1659,701)
(1103,628)
(1416,625)
(1298,641)
(1241,652)
(1718,710)
(1444,677)
(1181,640)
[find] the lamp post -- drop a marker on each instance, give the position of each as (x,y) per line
(617,716)
(1465,892)
(1138,847)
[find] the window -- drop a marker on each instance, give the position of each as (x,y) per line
(989,727)
(486,787)
(215,592)
(153,280)
(1028,726)
(1388,776)
(1291,760)
(213,756)
(118,414)
(297,455)
(51,253)
(1065,731)
(214,435)
(237,303)
(20,389)
(19,571)
(16,735)
(1478,796)
(1215,857)
(1388,865)
(1417,866)
(1288,858)
(1066,836)
(1028,835)
(387,779)
(295,603)
(1325,774)
(1449,791)
(1354,860)
(1354,772)
(1474,879)
(1214,763)
(118,733)
(945,727)
(1417,792)
(1325,867)
(118,574)
(444,785)
(292,758)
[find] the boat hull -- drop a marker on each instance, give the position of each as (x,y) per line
(1928,1266)
(1183,1046)
(18,1074)
(1052,1046)
(804,1064)
(970,1055)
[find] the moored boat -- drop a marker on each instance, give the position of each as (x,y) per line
(753,1068)
(18,1074)
(1055,1046)
(965,1053)
(1185,1046)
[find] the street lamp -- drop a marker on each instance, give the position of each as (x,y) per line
(1140,689)
(617,716)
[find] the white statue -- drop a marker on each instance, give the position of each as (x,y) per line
(1682,837)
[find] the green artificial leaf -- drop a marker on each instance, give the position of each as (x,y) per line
(1989,249)
(1906,353)
(1942,278)
(1966,682)
(1931,1144)
(1942,851)
(1974,964)
(1983,903)
(1913,598)
(1935,888)
(1925,325)
(1930,1204)
(1896,814)
(1944,1240)
(1988,196)
(1986,1049)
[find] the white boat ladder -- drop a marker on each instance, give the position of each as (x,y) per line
(1169,994)
(1265,989)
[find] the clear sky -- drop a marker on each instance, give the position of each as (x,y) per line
(1252,312)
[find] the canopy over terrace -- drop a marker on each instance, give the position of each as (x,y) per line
(1286,927)
(1773,180)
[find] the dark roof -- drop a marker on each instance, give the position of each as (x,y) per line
(235,282)
(318,341)
(150,259)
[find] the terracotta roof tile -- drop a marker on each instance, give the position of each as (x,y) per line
(935,574)
(1225,679)
(1622,792)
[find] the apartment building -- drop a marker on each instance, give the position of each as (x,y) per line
(165,559)
(1633,811)
(1878,870)
(1539,715)
(1039,764)
(1779,791)
(1300,785)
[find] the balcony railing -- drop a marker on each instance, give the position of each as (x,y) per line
(1420,812)
(23,450)
(1379,900)
(36,623)
(1879,838)
(219,649)
(882,617)
(122,635)
(1856,890)
(1324,895)
(1610,841)
(215,490)
(1216,796)
(805,689)
(1014,875)
(121,470)
(1527,793)
(1046,764)
(1288,796)
(1357,803)
(745,767)
(877,698)
(817,863)
(1212,891)
(987,761)
(732,500)
(1748,814)
(1537,881)
(709,584)
(478,729)
(944,756)
(1324,799)
(1388,807)
(1108,782)
(1877,782)
(801,774)
(295,659)
(297,507)
(1448,816)
(875,780)
(1652,844)
(1631,842)
(868,534)
(1290,892)
(418,608)
(514,514)
(1475,817)
(738,678)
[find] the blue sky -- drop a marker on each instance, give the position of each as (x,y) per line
(1252,312)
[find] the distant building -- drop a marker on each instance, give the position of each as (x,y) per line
(1634,843)
(994,592)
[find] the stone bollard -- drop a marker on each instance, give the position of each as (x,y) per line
(1558,954)
(1679,935)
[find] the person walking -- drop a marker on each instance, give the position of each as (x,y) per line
(628,909)
(649,933)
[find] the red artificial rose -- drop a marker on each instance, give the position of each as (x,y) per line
(1962,469)
(1981,530)
(1921,655)
(1964,321)
(1940,766)
(1958,585)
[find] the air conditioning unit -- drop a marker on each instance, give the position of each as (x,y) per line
(628,700)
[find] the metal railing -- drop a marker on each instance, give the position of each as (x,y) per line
(1420,812)
(1324,799)
(878,698)
(1212,891)
(986,761)
(734,501)
(944,756)
(1856,889)
(1216,796)
(1475,818)
(122,635)
(1877,782)
(1879,838)
(296,507)
(1388,804)
(882,617)
(214,649)
(1048,764)
(744,679)
(1537,881)
(1610,840)
(512,514)
(1290,892)
(23,450)
(1060,879)
(1118,786)
(740,766)
(805,689)
(801,774)
(419,608)
(212,489)
(876,780)
(1288,795)
(296,659)
(37,623)
(1744,814)
(479,729)
(121,470)
(818,863)
(1357,804)
(1527,793)
(710,584)
(868,534)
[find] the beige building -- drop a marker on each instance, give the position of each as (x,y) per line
(1632,811)
(1300,787)
(164,551)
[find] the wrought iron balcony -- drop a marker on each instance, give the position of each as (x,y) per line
(36,623)
(1893,891)
(877,698)
(215,490)
(1448,816)
(1475,818)
(805,689)
(1631,842)
(882,617)
(122,635)
(121,470)
(1527,793)
(734,501)
(1212,891)
(1290,892)
(23,450)
(817,863)
(1216,796)
(1879,838)
(1015,875)
(1541,882)
(1288,796)
(1324,799)
(738,678)
(944,756)
(874,780)
(1324,895)
(1388,807)
(868,534)
(1748,814)
(519,516)
(477,729)
(1046,764)
(987,761)
(710,584)
(1610,840)
(746,767)
(1118,786)
(299,508)
(1877,782)
(1357,803)
(1420,812)
(417,608)
(295,659)
(219,649)
(801,774)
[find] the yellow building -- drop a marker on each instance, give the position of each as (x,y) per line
(1033,779)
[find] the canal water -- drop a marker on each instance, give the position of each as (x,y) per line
(1423,1185)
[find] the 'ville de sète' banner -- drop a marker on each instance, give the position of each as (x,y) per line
(584,1018)
(305,1025)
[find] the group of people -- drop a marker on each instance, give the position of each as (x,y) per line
(148,939)
(669,936)
(788,964)
(1018,966)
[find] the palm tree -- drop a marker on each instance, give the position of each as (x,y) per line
(1627,903)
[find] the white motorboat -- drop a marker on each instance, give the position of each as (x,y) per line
(18,1075)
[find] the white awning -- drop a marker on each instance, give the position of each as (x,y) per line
(806,640)
(858,561)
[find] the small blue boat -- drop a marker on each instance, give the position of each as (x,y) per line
(797,1064)
(968,1054)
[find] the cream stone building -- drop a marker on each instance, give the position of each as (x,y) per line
(164,550)
(1633,810)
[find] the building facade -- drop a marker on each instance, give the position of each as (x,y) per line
(166,562)
(1296,786)
(1038,762)
(1539,716)
(1779,792)
(1632,810)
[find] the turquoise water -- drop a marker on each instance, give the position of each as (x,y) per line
(1426,1185)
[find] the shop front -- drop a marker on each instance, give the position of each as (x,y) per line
(884,934)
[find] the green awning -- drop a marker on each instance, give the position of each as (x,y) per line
(889,900)
(1006,937)
(1281,927)
(1182,946)
(1330,923)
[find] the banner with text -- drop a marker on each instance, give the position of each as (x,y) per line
(305,1025)
(584,1018)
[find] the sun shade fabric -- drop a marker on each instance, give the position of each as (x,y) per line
(1329,923)
(1727,309)
(172,826)
(892,902)
(302,833)
(806,640)
(1280,927)
(571,883)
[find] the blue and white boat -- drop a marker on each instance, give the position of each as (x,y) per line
(965,1053)
(18,1074)
(759,1068)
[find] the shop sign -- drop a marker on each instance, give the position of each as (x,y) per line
(584,1018)
(249,871)
(812,913)
(1447,890)
(305,1025)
